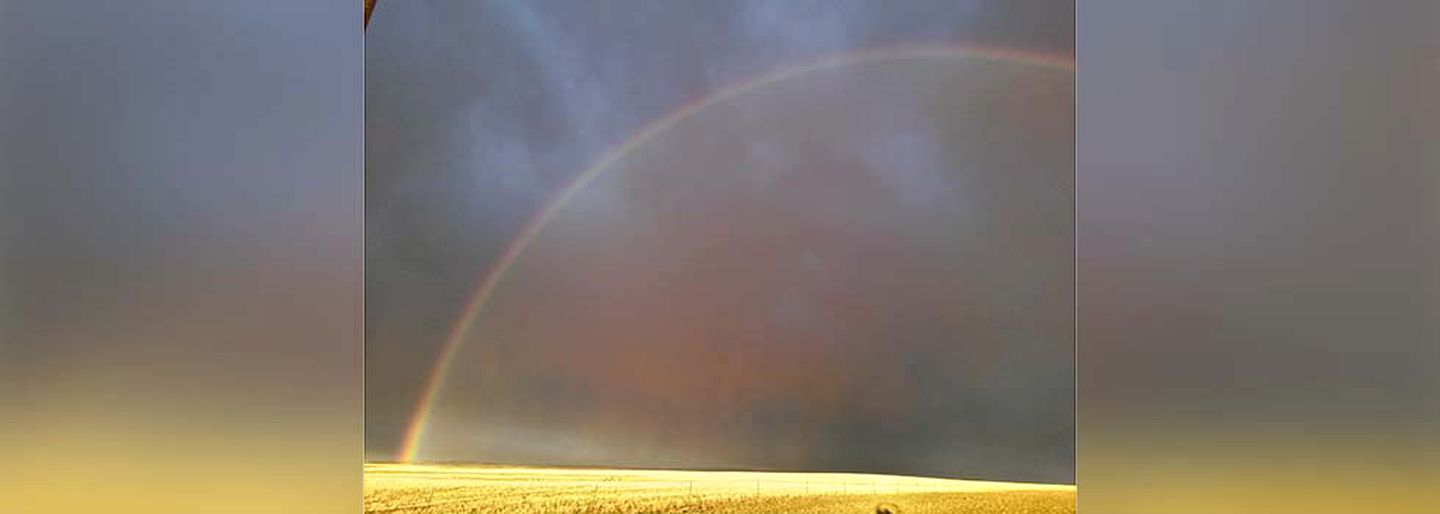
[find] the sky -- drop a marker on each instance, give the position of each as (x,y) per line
(865,266)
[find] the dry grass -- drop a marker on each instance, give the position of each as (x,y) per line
(437,489)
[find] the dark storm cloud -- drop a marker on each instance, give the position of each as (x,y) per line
(677,314)
(477,114)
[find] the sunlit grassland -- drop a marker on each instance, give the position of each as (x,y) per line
(436,489)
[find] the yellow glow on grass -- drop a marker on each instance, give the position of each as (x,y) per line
(402,488)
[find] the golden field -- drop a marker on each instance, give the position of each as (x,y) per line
(439,489)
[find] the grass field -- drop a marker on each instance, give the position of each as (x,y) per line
(437,489)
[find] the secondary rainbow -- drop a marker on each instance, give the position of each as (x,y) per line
(434,382)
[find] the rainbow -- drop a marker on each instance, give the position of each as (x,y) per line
(434,382)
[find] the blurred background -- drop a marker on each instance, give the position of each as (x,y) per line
(180,256)
(1257,273)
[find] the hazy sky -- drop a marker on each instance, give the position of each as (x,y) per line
(867,267)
